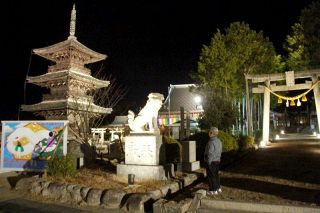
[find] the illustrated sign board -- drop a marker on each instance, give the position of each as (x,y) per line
(27,145)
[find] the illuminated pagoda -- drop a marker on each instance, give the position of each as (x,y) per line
(68,80)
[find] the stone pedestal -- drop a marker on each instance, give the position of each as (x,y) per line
(144,154)
(189,162)
(142,172)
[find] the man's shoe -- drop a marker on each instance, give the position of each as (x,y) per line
(219,190)
(212,192)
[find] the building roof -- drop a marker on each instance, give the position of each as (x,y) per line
(70,44)
(65,104)
(181,96)
(64,74)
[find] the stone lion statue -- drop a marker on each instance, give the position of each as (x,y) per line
(146,120)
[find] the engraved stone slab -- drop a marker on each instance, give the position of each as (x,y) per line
(143,149)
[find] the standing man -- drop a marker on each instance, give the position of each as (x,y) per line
(212,156)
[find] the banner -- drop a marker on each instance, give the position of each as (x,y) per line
(27,145)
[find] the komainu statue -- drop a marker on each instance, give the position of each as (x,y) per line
(146,120)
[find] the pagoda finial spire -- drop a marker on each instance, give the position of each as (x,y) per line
(73,23)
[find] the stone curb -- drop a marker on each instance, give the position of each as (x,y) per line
(116,199)
(255,207)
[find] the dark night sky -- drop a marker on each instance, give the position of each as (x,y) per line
(150,44)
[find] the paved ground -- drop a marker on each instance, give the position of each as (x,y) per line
(287,173)
(12,201)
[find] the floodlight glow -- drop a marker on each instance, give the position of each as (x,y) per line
(277,137)
(282,132)
(262,144)
(197,99)
(314,133)
(318,135)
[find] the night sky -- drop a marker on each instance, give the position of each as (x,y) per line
(150,44)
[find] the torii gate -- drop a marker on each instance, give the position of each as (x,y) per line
(289,77)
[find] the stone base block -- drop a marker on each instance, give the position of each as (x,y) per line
(188,166)
(142,172)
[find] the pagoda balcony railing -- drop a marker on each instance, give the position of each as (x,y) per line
(58,67)
(76,98)
(50,97)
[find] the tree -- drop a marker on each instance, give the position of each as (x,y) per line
(218,112)
(229,57)
(85,118)
(303,43)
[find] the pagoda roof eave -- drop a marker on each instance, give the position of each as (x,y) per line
(47,51)
(64,104)
(64,74)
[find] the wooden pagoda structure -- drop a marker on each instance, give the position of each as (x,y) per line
(68,80)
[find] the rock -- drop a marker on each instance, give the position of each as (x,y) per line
(165,190)
(94,197)
(174,207)
(36,187)
(158,206)
(174,187)
(135,202)
(44,184)
(75,194)
(156,194)
(25,184)
(202,192)
(112,198)
(84,191)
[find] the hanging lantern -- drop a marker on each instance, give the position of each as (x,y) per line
(304,98)
(279,100)
(287,103)
(298,102)
(292,103)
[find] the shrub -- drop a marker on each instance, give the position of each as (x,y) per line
(62,166)
(228,141)
(245,142)
(173,150)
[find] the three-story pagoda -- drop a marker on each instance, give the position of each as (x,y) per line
(68,79)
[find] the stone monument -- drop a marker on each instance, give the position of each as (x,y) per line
(189,162)
(144,149)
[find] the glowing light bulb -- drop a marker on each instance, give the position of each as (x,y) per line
(298,102)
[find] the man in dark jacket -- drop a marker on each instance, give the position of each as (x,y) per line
(212,156)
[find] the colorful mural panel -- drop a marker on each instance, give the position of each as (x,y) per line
(27,145)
